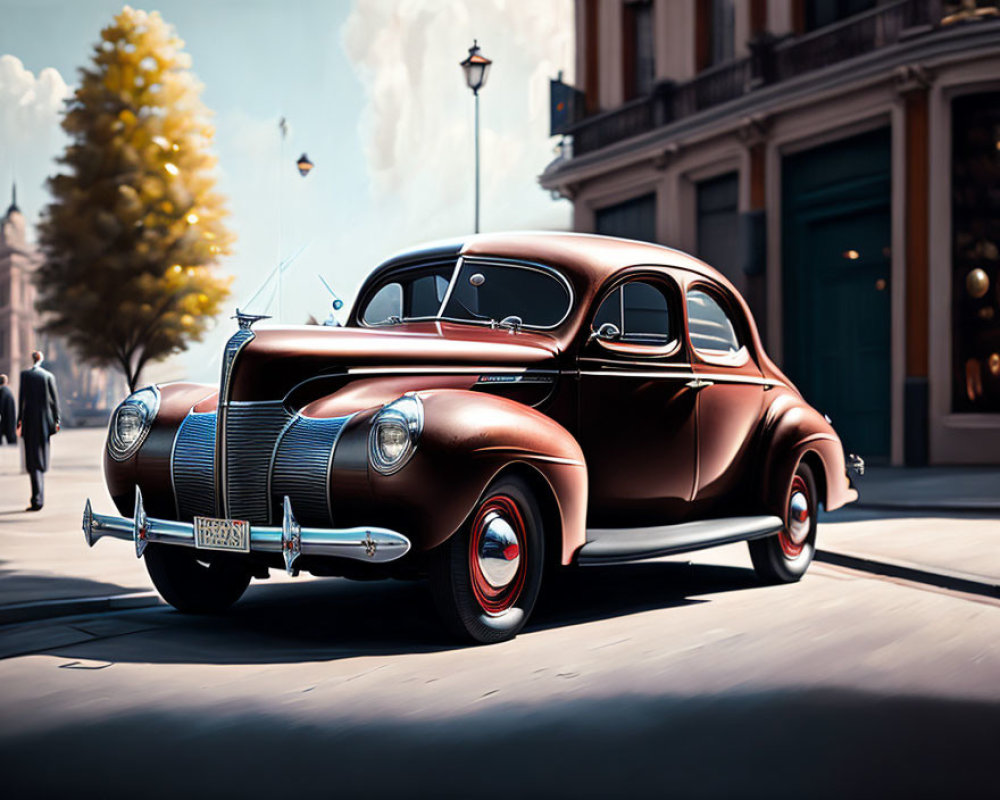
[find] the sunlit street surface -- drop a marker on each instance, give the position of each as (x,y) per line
(681,677)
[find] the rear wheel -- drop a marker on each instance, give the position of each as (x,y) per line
(485,579)
(786,557)
(193,586)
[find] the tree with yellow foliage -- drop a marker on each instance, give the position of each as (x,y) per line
(135,228)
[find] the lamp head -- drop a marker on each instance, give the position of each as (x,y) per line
(476,67)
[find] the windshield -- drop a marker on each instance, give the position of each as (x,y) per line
(481,291)
(411,294)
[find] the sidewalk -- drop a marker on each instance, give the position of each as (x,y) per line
(46,568)
(920,520)
(43,555)
(930,488)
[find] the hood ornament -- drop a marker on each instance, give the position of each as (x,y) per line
(246,321)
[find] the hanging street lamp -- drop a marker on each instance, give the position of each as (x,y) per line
(305,165)
(476,67)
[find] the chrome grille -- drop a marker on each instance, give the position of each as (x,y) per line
(251,431)
(301,468)
(192,466)
(233,347)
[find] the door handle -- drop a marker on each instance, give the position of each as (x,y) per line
(698,383)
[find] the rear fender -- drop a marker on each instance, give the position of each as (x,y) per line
(468,439)
(795,431)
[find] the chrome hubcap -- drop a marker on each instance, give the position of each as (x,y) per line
(499,554)
(798,518)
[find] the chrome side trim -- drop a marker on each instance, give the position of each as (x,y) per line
(713,377)
(645,364)
(525,377)
(430,369)
(368,544)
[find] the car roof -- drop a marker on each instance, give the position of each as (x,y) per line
(589,258)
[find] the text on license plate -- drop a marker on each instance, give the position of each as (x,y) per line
(222,534)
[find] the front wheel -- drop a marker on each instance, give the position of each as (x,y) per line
(485,579)
(192,586)
(786,557)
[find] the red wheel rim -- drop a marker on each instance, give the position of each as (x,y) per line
(496,542)
(798,519)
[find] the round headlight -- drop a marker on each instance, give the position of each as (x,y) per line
(394,434)
(131,422)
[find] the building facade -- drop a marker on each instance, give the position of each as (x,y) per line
(839,161)
(86,394)
(18,261)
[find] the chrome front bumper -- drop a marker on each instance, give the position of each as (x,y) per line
(376,545)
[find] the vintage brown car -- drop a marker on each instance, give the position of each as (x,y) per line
(494,408)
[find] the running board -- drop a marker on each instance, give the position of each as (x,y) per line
(615,545)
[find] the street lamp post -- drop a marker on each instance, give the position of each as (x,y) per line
(476,67)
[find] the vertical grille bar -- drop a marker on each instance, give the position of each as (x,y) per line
(192,466)
(301,468)
(236,342)
(252,429)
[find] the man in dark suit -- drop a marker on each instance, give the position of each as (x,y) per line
(37,420)
(8,413)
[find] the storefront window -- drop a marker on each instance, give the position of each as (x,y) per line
(976,253)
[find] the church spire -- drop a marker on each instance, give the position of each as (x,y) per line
(13,199)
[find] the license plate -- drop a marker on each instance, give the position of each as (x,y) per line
(222,534)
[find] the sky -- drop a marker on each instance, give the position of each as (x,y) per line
(372,91)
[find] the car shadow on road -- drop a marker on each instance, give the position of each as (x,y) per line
(325,620)
(815,743)
(31,587)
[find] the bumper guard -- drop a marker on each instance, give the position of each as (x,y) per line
(376,545)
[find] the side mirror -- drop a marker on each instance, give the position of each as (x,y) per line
(608,332)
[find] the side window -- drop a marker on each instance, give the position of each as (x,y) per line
(426,294)
(387,302)
(641,312)
(712,331)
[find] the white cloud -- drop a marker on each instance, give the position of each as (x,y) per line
(30,107)
(418,123)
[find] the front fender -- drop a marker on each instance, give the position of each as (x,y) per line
(149,466)
(795,430)
(468,438)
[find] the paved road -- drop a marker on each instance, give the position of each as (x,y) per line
(656,679)
(678,678)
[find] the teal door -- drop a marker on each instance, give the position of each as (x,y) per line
(836,268)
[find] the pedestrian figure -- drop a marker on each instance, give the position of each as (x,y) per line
(37,420)
(8,413)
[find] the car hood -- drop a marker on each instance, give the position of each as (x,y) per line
(278,359)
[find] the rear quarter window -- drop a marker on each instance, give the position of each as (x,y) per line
(712,331)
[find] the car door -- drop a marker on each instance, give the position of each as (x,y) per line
(636,412)
(730,391)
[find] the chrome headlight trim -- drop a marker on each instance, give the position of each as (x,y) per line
(144,405)
(406,414)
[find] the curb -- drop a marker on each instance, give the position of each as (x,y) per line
(941,578)
(939,508)
(48,609)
